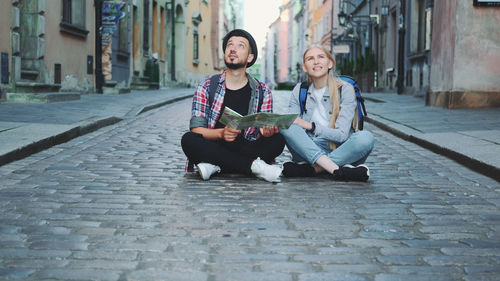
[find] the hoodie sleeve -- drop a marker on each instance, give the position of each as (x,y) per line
(293,105)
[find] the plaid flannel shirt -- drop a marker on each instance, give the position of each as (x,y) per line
(204,116)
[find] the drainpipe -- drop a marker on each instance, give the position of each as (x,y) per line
(331,30)
(401,48)
(172,52)
(99,78)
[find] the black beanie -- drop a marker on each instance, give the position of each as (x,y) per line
(245,34)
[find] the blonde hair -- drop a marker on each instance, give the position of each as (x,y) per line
(333,83)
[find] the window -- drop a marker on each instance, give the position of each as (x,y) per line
(73,18)
(195,46)
(421,26)
(123,37)
(136,45)
(196,18)
(4,70)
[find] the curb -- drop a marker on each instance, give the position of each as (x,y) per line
(63,137)
(160,104)
(413,136)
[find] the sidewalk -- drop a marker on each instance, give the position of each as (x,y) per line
(29,128)
(468,136)
(471,137)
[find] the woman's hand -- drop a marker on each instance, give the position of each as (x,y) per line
(230,134)
(302,123)
(269,131)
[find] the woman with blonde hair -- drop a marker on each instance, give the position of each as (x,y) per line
(323,135)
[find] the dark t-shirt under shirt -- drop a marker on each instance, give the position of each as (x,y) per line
(237,100)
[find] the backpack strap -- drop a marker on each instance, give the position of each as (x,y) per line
(261,94)
(304,86)
(214,82)
(360,101)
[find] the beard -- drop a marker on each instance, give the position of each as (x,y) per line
(231,65)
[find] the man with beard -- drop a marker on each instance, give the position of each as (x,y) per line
(213,147)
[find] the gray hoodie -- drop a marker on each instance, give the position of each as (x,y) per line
(343,124)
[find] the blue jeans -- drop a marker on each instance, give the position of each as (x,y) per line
(304,147)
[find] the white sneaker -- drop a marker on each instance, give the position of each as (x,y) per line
(270,173)
(206,170)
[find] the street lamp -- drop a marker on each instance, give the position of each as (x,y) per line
(99,77)
(342,18)
(401,48)
(346,18)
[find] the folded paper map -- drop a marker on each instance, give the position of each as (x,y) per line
(235,120)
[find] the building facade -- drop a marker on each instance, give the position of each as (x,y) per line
(193,39)
(285,41)
(36,36)
(465,56)
(114,52)
(418,46)
(269,62)
(111,46)
(302,20)
(385,43)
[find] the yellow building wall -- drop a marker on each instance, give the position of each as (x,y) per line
(316,10)
(162,33)
(205,65)
(66,49)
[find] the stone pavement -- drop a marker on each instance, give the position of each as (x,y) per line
(115,204)
(470,137)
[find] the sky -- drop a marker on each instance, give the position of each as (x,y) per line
(259,14)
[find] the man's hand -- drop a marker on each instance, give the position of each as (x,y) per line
(230,134)
(269,131)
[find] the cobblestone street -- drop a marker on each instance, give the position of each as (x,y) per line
(116,204)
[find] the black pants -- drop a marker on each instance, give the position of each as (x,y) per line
(232,157)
